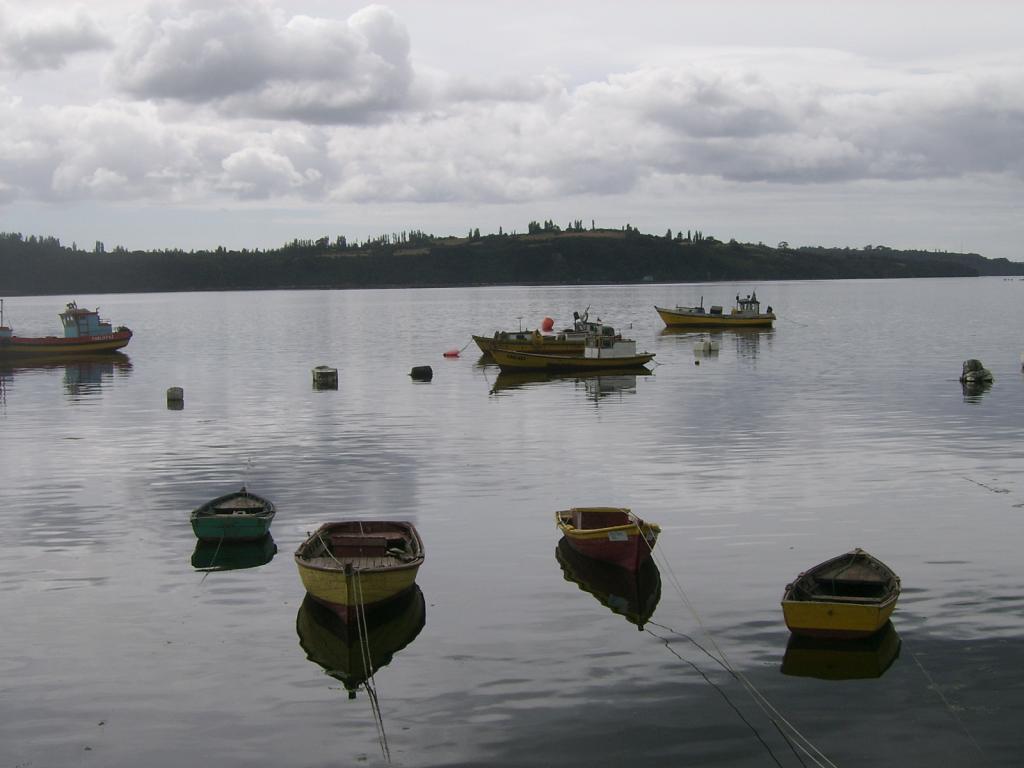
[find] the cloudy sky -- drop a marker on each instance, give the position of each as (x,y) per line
(247,123)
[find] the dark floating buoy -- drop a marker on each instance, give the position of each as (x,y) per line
(696,362)
(422,373)
(975,373)
(175,398)
(325,377)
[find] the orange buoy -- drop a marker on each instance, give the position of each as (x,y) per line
(452,353)
(547,324)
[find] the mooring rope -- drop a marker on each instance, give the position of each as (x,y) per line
(370,684)
(718,688)
(801,742)
(775,717)
(212,559)
(945,701)
(789,320)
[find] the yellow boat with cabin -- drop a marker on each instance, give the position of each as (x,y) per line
(746,313)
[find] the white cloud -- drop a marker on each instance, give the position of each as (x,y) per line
(45,40)
(260,172)
(228,103)
(248,60)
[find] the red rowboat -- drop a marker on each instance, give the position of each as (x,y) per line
(612,534)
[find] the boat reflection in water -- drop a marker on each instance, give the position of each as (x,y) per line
(83,373)
(233,555)
(746,340)
(335,644)
(839,659)
(973,391)
(631,594)
(598,384)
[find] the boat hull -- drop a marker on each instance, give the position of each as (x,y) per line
(541,344)
(234,529)
(836,620)
(675,319)
(24,346)
(340,591)
(510,360)
(627,546)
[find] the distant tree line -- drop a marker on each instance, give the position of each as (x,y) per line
(546,254)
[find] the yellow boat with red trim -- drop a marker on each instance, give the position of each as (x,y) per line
(746,313)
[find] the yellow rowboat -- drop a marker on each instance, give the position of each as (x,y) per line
(852,595)
(359,564)
(745,314)
(612,534)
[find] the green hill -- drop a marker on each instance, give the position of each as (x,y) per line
(34,265)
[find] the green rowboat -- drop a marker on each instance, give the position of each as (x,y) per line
(238,516)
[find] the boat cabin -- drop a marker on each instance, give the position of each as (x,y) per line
(5,332)
(82,322)
(608,344)
(748,305)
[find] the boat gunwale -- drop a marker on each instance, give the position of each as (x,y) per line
(636,527)
(891,582)
(302,561)
(206,511)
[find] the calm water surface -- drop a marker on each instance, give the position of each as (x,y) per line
(844,426)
